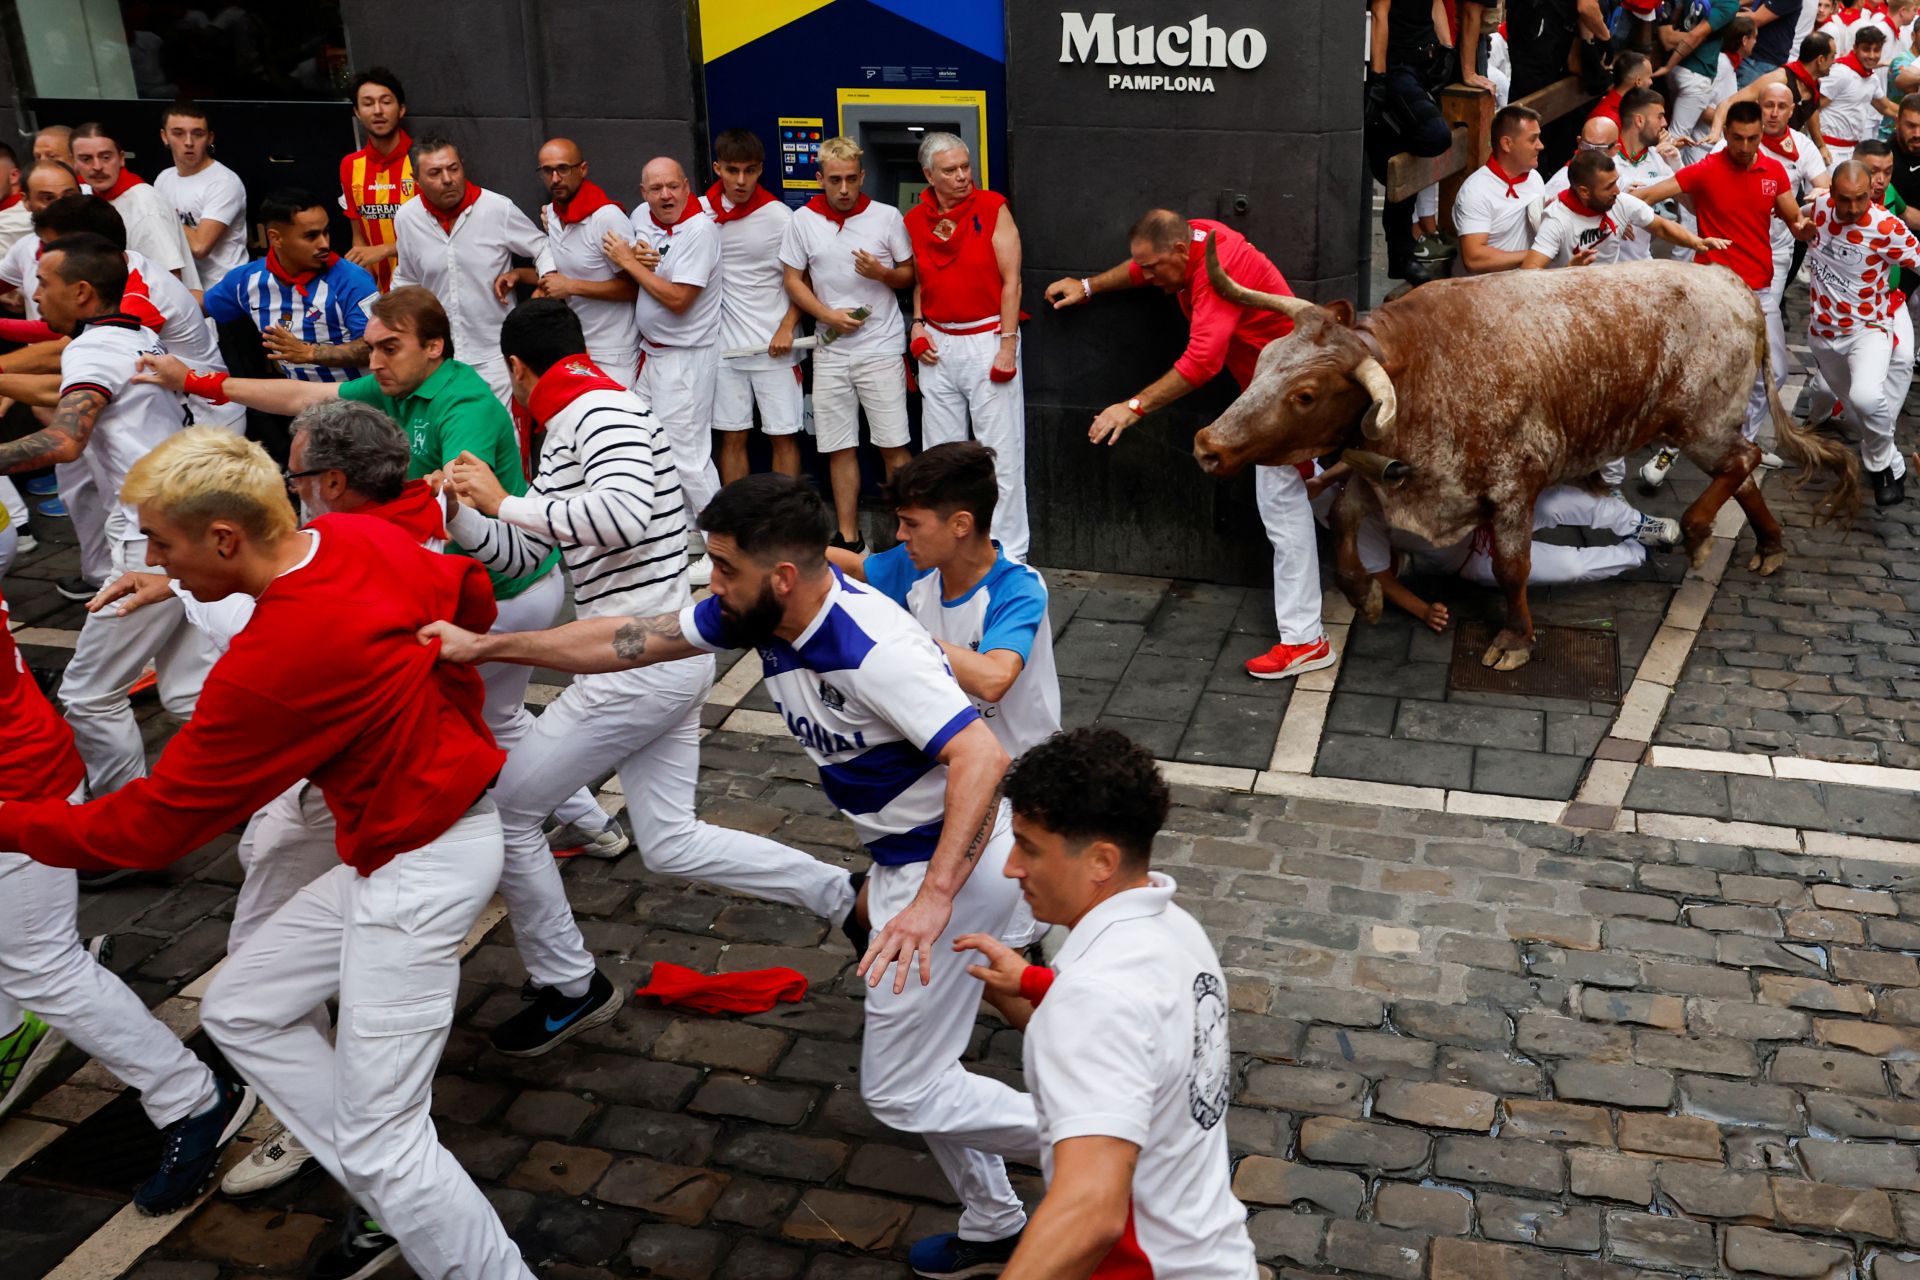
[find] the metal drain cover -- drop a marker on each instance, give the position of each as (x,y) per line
(1581,663)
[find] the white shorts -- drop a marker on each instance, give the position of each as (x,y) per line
(776,391)
(842,387)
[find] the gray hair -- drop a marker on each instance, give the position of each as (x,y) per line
(360,442)
(934,143)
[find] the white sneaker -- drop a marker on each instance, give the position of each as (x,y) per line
(1654,473)
(26,544)
(571,840)
(1658,532)
(700,572)
(277,1159)
(1770,460)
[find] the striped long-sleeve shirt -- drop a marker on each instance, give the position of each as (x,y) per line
(608,497)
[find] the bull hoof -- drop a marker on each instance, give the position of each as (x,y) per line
(1766,563)
(1508,652)
(1371,601)
(1697,549)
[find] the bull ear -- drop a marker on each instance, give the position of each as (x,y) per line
(1342,312)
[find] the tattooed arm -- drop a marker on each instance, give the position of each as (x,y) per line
(61,440)
(590,645)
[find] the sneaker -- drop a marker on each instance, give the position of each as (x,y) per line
(25,544)
(55,508)
(148,682)
(42,486)
(700,571)
(551,1019)
(192,1148)
(860,935)
(1286,660)
(1433,250)
(1654,474)
(94,881)
(568,840)
(1770,461)
(948,1257)
(76,588)
(1657,532)
(278,1159)
(25,1052)
(1889,490)
(363,1248)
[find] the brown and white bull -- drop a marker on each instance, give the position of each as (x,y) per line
(1471,396)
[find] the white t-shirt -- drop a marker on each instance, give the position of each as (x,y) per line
(137,417)
(1483,207)
(577,253)
(153,229)
(460,267)
(1130,1042)
(1849,114)
(824,249)
(186,332)
(1563,232)
(16,221)
(217,194)
(753,294)
(689,254)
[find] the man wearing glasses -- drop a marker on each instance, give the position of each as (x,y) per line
(578,219)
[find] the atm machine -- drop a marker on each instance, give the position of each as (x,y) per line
(890,125)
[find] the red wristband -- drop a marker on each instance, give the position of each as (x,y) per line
(920,346)
(207,386)
(1035,980)
(997,374)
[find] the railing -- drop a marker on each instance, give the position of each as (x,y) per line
(1470,112)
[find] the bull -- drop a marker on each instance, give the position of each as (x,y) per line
(1459,402)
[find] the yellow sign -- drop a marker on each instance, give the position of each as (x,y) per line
(725,25)
(973,100)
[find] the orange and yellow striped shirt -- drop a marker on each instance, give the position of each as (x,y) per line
(373,186)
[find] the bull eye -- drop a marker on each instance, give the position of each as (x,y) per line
(1303,398)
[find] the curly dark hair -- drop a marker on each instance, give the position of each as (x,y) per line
(1092,784)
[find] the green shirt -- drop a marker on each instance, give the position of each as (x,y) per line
(1706,59)
(455,411)
(1893,204)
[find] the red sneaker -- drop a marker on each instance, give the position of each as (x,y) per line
(1287,660)
(149,680)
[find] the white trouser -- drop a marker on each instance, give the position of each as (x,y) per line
(1841,154)
(44,967)
(678,382)
(957,389)
(1426,203)
(506,714)
(1569,505)
(287,845)
(109,656)
(88,510)
(388,944)
(1694,97)
(618,363)
(646,725)
(17,513)
(910,1072)
(493,369)
(1870,370)
(1759,412)
(1285,511)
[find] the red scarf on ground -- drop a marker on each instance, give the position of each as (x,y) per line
(1798,70)
(749,991)
(1513,180)
(688,214)
(417,511)
(717,203)
(1783,146)
(820,206)
(126,182)
(448,218)
(566,381)
(299,280)
(585,201)
(1574,203)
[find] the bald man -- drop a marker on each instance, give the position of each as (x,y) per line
(578,218)
(1601,134)
(674,258)
(55,142)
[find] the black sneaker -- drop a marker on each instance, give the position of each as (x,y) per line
(552,1018)
(193,1148)
(76,588)
(363,1248)
(1889,490)
(948,1257)
(860,935)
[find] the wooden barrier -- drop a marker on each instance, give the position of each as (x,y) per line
(1470,112)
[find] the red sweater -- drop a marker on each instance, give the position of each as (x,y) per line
(327,682)
(37,759)
(1222,334)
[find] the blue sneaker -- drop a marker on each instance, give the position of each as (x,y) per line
(55,508)
(193,1148)
(43,487)
(948,1257)
(553,1018)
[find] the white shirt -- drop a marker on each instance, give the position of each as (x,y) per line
(460,268)
(689,254)
(824,250)
(1483,207)
(186,333)
(137,417)
(217,194)
(1804,168)
(1564,232)
(577,253)
(16,221)
(753,296)
(1849,114)
(153,229)
(16,272)
(1130,1042)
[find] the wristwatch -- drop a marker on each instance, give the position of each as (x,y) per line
(1139,410)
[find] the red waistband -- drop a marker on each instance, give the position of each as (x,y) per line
(1832,141)
(962,331)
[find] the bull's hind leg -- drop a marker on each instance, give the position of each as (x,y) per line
(1512,563)
(1770,548)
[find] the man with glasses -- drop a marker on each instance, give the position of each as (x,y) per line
(578,217)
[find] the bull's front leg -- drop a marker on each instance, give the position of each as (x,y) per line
(1512,563)
(1354,505)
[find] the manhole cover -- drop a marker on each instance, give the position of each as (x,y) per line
(1581,663)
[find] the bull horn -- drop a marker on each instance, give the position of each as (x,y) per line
(1387,472)
(1238,294)
(1386,405)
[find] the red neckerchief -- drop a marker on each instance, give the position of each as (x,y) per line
(126,182)
(688,214)
(717,203)
(1574,203)
(1501,30)
(1852,63)
(1784,147)
(1848,17)
(839,220)
(1513,180)
(448,218)
(1733,59)
(417,512)
(402,143)
(299,280)
(10,201)
(137,302)
(566,381)
(587,199)
(1798,70)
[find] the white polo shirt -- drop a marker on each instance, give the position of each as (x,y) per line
(16,220)
(824,249)
(217,194)
(1564,232)
(689,254)
(1849,115)
(753,296)
(153,229)
(138,416)
(577,253)
(1130,1042)
(460,267)
(1484,207)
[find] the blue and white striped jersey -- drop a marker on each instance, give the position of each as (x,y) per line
(331,309)
(870,696)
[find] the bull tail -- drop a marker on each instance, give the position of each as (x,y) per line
(1809,451)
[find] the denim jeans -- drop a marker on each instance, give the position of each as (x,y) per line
(1429,135)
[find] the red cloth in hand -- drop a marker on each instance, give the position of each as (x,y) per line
(750,991)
